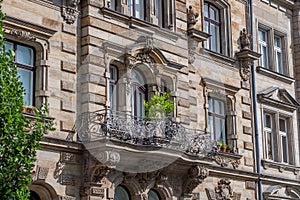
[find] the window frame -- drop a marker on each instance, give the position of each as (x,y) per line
(212,114)
(272,49)
(113,79)
(26,67)
(277,134)
(265,63)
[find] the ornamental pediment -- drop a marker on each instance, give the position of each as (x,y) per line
(279,97)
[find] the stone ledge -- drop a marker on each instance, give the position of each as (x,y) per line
(275,75)
(280,166)
(224,159)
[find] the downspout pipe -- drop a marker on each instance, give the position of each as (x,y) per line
(254,109)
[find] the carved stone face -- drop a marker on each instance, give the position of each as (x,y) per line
(72,3)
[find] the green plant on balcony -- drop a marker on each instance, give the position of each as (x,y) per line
(222,145)
(160,105)
(229,148)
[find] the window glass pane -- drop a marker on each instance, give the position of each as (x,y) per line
(130,5)
(26,77)
(279,62)
(268,121)
(121,194)
(277,42)
(213,37)
(264,57)
(152,195)
(269,146)
(205,10)
(9,46)
(282,125)
(24,55)
(284,149)
(211,125)
(262,35)
(212,13)
(138,9)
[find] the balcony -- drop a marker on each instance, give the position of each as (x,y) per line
(150,132)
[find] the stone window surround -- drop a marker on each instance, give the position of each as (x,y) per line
(289,116)
(271,32)
(167,12)
(219,90)
(37,37)
(226,39)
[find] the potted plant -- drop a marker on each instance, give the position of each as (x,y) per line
(222,145)
(24,109)
(229,149)
(30,109)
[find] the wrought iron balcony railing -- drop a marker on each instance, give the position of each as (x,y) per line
(160,132)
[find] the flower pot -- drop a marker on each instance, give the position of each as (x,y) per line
(24,109)
(30,110)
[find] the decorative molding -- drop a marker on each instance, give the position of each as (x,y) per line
(275,75)
(145,179)
(22,35)
(109,158)
(99,174)
(42,173)
(67,179)
(96,191)
(280,166)
(224,159)
(66,198)
(70,10)
(67,157)
(196,175)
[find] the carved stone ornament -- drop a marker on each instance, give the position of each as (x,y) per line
(225,160)
(223,190)
(192,44)
(245,39)
(145,179)
(22,35)
(67,179)
(42,173)
(196,175)
(70,10)
(99,174)
(191,17)
(66,198)
(109,158)
(245,70)
(68,157)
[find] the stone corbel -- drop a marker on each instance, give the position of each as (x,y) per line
(225,159)
(70,10)
(246,56)
(196,175)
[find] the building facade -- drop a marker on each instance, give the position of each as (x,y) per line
(231,67)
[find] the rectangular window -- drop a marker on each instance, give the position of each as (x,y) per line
(136,8)
(24,59)
(278,54)
(212,26)
(216,119)
(263,48)
(276,138)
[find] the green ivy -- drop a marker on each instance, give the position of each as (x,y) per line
(161,104)
(19,136)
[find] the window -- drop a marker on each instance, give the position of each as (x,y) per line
(271,46)
(278,54)
(121,193)
(113,87)
(153,195)
(212,26)
(276,137)
(24,59)
(138,94)
(263,48)
(216,119)
(136,8)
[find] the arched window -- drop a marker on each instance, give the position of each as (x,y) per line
(24,59)
(34,196)
(113,87)
(212,26)
(138,93)
(121,193)
(153,195)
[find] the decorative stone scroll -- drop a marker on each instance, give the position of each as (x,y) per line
(22,34)
(70,10)
(225,159)
(196,176)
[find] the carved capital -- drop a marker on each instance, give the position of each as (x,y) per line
(70,10)
(196,176)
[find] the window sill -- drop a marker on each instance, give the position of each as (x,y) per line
(224,159)
(280,166)
(275,75)
(218,57)
(145,26)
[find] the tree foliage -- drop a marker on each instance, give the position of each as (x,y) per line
(159,104)
(19,136)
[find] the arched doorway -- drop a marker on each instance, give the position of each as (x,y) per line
(34,196)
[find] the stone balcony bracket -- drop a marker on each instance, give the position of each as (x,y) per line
(197,35)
